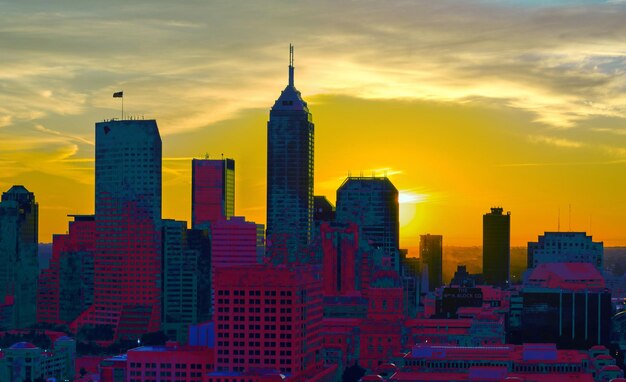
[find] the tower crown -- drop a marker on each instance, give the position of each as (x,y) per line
(290,98)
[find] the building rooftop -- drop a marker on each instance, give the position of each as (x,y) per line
(569,276)
(23,345)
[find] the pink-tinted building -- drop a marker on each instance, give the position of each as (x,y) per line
(212,190)
(268,317)
(233,242)
(340,341)
(381,331)
(127,259)
(340,247)
(66,288)
(169,363)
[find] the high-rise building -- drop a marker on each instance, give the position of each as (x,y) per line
(212,190)
(18,256)
(268,317)
(200,241)
(127,262)
(179,305)
(372,203)
(289,174)
(431,254)
(565,247)
(496,247)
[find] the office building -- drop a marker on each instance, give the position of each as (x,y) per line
(372,204)
(212,190)
(568,304)
(179,305)
(431,254)
(66,287)
(290,141)
(268,317)
(565,247)
(18,256)
(233,242)
(127,261)
(341,268)
(496,247)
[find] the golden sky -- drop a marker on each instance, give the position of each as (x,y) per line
(465,105)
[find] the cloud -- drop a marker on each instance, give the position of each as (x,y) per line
(559,142)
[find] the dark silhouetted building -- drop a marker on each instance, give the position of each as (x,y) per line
(496,247)
(290,138)
(212,190)
(431,254)
(568,304)
(180,278)
(127,262)
(372,203)
(19,217)
(565,247)
(324,211)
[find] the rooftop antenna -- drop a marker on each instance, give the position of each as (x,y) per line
(290,65)
(570,218)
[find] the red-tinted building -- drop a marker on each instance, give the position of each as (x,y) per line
(212,190)
(66,288)
(127,259)
(268,317)
(381,331)
(169,363)
(341,339)
(233,242)
(340,247)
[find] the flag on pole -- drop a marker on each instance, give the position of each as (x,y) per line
(118,94)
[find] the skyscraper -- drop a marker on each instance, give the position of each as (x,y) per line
(213,190)
(180,281)
(431,254)
(289,173)
(127,262)
(19,269)
(372,203)
(496,247)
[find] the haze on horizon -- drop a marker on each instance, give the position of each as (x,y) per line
(464,105)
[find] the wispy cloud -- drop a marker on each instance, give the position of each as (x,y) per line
(559,142)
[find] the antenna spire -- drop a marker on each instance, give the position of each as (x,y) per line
(290,65)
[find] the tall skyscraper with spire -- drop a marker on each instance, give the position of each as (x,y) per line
(289,173)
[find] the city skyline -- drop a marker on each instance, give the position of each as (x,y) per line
(532,124)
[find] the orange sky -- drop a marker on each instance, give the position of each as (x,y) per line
(463,105)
